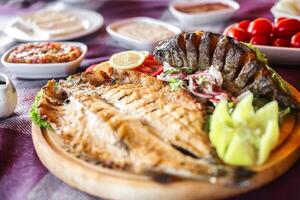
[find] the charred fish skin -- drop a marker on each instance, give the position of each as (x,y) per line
(220,52)
(204,58)
(181,49)
(94,127)
(192,51)
(240,68)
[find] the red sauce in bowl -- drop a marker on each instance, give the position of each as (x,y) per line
(200,8)
(45,52)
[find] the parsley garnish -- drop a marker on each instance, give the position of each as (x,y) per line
(175,83)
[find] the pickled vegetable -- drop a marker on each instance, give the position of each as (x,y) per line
(244,137)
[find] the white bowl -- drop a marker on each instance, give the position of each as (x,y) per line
(44,70)
(205,17)
(136,44)
(281,55)
(279,10)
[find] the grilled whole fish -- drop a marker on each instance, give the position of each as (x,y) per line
(110,118)
(238,64)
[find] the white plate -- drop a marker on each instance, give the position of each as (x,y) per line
(136,44)
(45,71)
(205,17)
(93,21)
(281,55)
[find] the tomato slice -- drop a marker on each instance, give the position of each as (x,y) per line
(150,66)
(152,70)
(158,71)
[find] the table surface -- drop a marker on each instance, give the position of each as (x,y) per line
(21,173)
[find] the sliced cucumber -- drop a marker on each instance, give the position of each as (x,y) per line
(221,128)
(267,141)
(239,152)
(243,111)
(244,138)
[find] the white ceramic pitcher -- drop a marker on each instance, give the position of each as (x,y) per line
(8,96)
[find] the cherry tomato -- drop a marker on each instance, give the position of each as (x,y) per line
(259,40)
(272,38)
(295,41)
(90,68)
(279,19)
(260,26)
(228,28)
(239,34)
(243,24)
(279,42)
(286,28)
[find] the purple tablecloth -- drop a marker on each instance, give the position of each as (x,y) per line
(20,169)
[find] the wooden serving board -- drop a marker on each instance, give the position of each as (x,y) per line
(90,177)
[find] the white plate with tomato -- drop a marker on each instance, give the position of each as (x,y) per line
(279,40)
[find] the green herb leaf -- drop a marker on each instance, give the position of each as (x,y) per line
(284,112)
(171,71)
(281,83)
(260,55)
(34,114)
(175,83)
(202,81)
(188,70)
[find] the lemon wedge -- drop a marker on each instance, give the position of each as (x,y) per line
(104,66)
(127,59)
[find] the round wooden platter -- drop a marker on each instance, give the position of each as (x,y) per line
(90,177)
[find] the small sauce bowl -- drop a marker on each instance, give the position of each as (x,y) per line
(45,70)
(206,17)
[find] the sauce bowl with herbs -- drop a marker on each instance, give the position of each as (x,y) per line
(199,12)
(44,59)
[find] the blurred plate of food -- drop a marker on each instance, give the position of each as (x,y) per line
(203,11)
(60,24)
(141,33)
(286,8)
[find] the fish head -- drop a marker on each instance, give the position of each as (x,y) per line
(162,52)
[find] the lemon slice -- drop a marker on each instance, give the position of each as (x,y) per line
(127,59)
(104,66)
(146,53)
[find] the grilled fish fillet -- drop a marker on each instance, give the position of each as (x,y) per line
(120,138)
(239,66)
